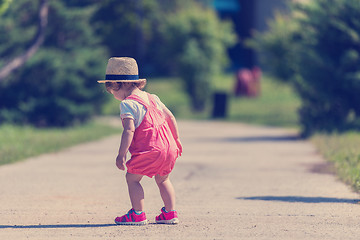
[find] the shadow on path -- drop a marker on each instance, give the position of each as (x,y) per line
(263,139)
(301,199)
(59,226)
(252,139)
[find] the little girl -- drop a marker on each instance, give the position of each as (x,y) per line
(150,134)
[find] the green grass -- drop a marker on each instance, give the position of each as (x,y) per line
(276,105)
(344,152)
(18,143)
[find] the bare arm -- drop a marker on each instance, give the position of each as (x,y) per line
(173,126)
(126,139)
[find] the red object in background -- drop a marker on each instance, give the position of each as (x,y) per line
(248,82)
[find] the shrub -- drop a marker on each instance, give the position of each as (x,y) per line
(178,37)
(277,47)
(48,91)
(197,42)
(323,47)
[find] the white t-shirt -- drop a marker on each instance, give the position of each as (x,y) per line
(132,109)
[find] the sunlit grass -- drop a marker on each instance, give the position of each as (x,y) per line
(344,152)
(276,105)
(21,142)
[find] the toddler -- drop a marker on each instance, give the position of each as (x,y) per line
(150,135)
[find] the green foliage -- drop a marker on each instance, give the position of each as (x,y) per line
(127,28)
(276,47)
(322,43)
(132,28)
(197,41)
(4,4)
(57,87)
(180,37)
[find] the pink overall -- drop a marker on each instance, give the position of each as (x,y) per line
(153,148)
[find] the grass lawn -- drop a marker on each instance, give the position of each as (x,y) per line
(276,105)
(344,152)
(18,143)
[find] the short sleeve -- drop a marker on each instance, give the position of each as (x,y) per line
(133,110)
(126,110)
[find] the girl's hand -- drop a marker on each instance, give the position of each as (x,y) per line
(120,162)
(179,145)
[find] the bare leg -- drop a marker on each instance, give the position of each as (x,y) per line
(136,192)
(167,191)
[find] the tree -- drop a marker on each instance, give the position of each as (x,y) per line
(18,61)
(183,37)
(127,28)
(133,28)
(57,86)
(196,42)
(321,41)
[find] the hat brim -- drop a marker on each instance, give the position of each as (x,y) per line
(104,81)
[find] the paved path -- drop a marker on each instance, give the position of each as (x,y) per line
(234,181)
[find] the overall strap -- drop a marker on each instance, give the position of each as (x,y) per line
(138,99)
(152,100)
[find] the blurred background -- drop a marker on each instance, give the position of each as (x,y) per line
(289,63)
(52,53)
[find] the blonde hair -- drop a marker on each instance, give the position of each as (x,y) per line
(116,86)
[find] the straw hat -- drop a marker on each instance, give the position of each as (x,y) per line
(122,69)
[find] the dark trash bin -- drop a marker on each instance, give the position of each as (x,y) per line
(220,105)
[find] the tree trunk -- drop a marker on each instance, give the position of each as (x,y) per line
(18,61)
